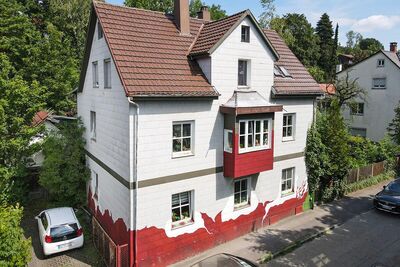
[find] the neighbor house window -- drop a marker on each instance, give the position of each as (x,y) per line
(288,127)
(99,31)
(182,209)
(182,138)
(358,132)
(95,68)
(379,83)
(357,109)
(241,194)
(96,185)
(381,63)
(242,73)
(287,181)
(107,73)
(254,135)
(228,140)
(246,34)
(93,125)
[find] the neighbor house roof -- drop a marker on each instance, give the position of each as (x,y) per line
(328,88)
(40,117)
(300,82)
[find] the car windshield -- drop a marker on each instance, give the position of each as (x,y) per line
(395,187)
(63,230)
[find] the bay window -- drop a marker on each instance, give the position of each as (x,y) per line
(254,135)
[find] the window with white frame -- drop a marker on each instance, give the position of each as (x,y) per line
(93,125)
(182,212)
(182,138)
(95,74)
(358,132)
(246,34)
(95,185)
(100,33)
(287,181)
(288,127)
(107,73)
(357,109)
(243,73)
(254,135)
(228,140)
(381,63)
(241,193)
(379,83)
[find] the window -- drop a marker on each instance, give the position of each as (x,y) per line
(99,31)
(96,185)
(357,109)
(379,83)
(288,127)
(107,73)
(93,125)
(246,34)
(228,140)
(43,218)
(182,138)
(254,135)
(241,193)
(95,74)
(181,209)
(381,63)
(242,73)
(358,132)
(287,181)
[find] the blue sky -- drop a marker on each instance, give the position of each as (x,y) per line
(379,19)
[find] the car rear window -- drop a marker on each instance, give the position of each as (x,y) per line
(395,187)
(64,232)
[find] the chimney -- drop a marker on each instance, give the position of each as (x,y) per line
(181,13)
(204,13)
(393,47)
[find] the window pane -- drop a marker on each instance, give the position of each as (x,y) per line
(265,139)
(283,186)
(185,212)
(289,184)
(184,198)
(258,139)
(284,131)
(242,141)
(258,126)
(186,144)
(176,130)
(250,127)
(230,140)
(250,141)
(265,126)
(237,198)
(176,214)
(242,127)
(284,120)
(289,174)
(289,131)
(244,184)
(237,187)
(177,145)
(290,120)
(186,130)
(243,197)
(175,200)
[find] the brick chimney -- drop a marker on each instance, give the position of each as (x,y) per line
(181,13)
(204,13)
(393,47)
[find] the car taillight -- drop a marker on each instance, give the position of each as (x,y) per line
(48,239)
(79,232)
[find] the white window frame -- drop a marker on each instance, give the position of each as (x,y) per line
(245,38)
(107,73)
(285,179)
(95,74)
(287,126)
(246,190)
(183,221)
(95,185)
(228,148)
(379,86)
(355,129)
(247,74)
(182,153)
(262,133)
(356,110)
(93,127)
(380,63)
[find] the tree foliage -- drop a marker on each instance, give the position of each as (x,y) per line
(347,90)
(216,11)
(268,13)
(64,173)
(394,126)
(324,31)
(156,5)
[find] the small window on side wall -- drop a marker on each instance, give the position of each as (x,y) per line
(379,83)
(287,181)
(381,63)
(182,209)
(241,194)
(107,73)
(95,68)
(357,109)
(228,141)
(288,127)
(93,125)
(242,73)
(100,33)
(245,34)
(182,139)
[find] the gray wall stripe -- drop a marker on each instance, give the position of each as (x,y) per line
(289,156)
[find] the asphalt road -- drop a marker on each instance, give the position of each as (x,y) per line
(370,239)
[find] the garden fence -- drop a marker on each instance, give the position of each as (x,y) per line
(364,172)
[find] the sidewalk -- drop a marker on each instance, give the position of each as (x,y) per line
(276,237)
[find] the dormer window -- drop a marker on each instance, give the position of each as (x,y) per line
(245,34)
(381,63)
(99,31)
(243,72)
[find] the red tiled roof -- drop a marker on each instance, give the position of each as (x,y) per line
(150,54)
(300,82)
(39,117)
(327,88)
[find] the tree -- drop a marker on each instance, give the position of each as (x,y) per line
(268,13)
(217,12)
(394,126)
(347,90)
(64,173)
(370,44)
(15,250)
(324,31)
(317,74)
(353,39)
(156,5)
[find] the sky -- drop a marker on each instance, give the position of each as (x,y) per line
(378,19)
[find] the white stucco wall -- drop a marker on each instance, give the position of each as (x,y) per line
(379,105)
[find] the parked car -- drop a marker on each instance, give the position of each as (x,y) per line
(389,198)
(59,230)
(224,260)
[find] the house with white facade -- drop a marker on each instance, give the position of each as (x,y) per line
(195,129)
(379,76)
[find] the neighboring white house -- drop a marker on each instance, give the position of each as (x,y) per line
(379,75)
(196,129)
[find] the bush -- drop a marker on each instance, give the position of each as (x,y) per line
(64,173)
(14,248)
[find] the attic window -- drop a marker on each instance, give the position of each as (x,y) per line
(381,63)
(99,31)
(285,71)
(246,34)
(282,72)
(277,71)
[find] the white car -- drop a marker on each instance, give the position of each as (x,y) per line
(59,230)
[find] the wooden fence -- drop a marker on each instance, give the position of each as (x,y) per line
(363,173)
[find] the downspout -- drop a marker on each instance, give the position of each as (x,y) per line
(133,120)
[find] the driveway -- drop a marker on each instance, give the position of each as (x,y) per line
(370,239)
(86,256)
